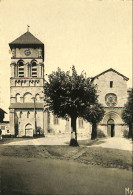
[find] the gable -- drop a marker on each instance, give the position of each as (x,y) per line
(111,70)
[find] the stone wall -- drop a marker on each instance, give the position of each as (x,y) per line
(64,126)
(26,90)
(33,52)
(5,127)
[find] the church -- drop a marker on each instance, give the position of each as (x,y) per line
(27,116)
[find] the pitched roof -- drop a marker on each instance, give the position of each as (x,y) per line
(111,69)
(26,105)
(27,38)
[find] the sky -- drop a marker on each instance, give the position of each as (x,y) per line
(93,35)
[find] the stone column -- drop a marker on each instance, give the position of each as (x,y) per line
(25,69)
(16,70)
(39,70)
(13,69)
(29,70)
(42,70)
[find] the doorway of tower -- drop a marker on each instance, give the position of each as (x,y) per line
(111,128)
(28,130)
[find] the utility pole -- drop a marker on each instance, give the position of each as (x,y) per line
(34,99)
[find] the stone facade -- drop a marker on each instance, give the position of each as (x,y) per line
(119,86)
(112,88)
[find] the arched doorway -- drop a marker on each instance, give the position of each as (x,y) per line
(111,128)
(28,130)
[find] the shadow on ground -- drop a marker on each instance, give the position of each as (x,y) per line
(88,142)
(105,157)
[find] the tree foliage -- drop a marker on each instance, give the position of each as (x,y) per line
(94,115)
(127,114)
(68,95)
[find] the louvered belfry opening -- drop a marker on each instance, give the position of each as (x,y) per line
(20,69)
(34,69)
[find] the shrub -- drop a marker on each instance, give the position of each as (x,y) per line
(7,136)
(39,130)
(50,130)
(100,133)
(125,133)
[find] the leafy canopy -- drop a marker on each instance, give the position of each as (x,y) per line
(95,113)
(127,114)
(67,95)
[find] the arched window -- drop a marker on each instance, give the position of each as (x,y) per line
(28,126)
(20,68)
(28,97)
(17,97)
(29,130)
(34,69)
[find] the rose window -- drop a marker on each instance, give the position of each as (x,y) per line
(111,99)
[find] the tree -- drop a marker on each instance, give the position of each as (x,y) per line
(67,95)
(127,114)
(94,115)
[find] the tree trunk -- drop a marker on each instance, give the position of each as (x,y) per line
(130,134)
(73,141)
(94,131)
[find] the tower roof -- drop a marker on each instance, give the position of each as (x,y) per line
(26,39)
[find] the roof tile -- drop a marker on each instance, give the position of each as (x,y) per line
(26,38)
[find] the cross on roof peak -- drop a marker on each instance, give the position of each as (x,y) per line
(28,28)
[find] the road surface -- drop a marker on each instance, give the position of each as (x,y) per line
(39,177)
(115,142)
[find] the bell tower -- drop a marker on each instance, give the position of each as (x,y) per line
(26,86)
